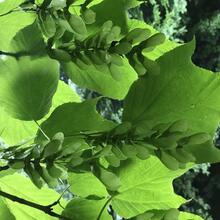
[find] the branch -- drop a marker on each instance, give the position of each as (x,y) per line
(46,209)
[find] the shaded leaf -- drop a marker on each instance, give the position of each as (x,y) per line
(27,86)
(78,209)
(102,80)
(104,13)
(23,43)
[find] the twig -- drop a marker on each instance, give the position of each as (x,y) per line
(58,200)
(46,209)
(41,130)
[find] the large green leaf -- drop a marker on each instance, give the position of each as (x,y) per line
(23,188)
(86,184)
(85,209)
(181,91)
(146,185)
(14,130)
(27,86)
(10,24)
(102,80)
(23,43)
(8,5)
(72,118)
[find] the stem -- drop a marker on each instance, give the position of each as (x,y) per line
(46,209)
(45,135)
(103,208)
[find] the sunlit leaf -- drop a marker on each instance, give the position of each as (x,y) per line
(26,190)
(8,5)
(181,91)
(81,117)
(145,185)
(10,24)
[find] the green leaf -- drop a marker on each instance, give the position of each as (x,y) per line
(6,172)
(4,211)
(189,216)
(145,185)
(102,80)
(94,2)
(8,5)
(78,209)
(38,2)
(23,43)
(104,12)
(13,22)
(86,184)
(63,95)
(79,117)
(159,50)
(170,214)
(26,190)
(181,91)
(14,131)
(27,87)
(131,3)
(109,179)
(57,4)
